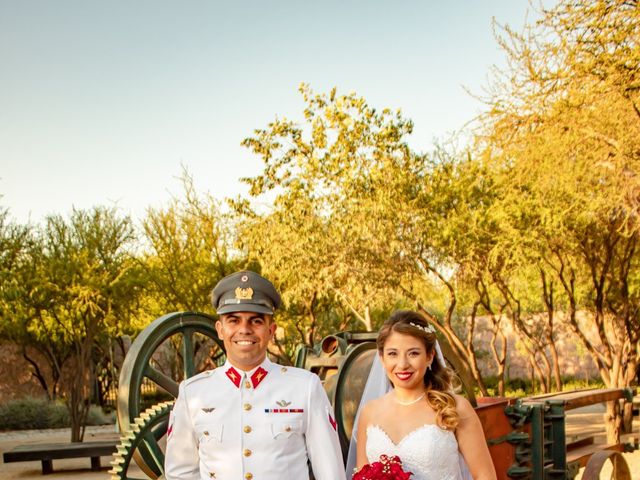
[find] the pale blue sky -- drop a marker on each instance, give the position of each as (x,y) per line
(101,102)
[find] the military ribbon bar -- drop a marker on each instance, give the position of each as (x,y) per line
(284,410)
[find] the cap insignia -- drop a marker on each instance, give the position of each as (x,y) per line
(244,278)
(244,293)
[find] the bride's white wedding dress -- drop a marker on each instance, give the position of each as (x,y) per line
(429,452)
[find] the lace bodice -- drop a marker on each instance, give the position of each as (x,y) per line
(429,452)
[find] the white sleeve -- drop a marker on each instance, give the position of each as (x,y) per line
(182,461)
(323,444)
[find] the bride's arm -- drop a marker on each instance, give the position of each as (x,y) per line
(472,443)
(363,423)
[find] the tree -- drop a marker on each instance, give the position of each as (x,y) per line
(18,308)
(188,251)
(362,220)
(563,133)
(314,240)
(83,289)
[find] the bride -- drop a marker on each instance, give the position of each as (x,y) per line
(435,432)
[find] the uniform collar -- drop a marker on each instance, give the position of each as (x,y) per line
(257,375)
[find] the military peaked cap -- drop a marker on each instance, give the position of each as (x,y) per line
(245,291)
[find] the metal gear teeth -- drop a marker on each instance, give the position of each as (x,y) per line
(129,439)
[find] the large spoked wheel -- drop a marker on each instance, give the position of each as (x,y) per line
(172,348)
(596,462)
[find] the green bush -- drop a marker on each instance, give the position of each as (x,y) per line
(38,413)
(31,413)
(97,416)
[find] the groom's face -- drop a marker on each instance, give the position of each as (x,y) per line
(405,360)
(246,336)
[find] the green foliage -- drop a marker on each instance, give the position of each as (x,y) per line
(38,413)
(320,242)
(31,413)
(79,285)
(562,136)
(359,222)
(187,252)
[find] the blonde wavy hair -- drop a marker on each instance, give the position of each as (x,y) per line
(439,379)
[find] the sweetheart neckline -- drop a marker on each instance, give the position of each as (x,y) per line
(417,429)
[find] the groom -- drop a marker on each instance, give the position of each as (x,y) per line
(251,418)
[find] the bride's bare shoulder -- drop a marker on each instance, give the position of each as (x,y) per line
(464,407)
(373,407)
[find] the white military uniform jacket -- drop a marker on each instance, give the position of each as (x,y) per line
(259,425)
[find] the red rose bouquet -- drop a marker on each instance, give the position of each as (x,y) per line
(388,468)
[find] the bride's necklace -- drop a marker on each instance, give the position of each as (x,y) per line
(410,402)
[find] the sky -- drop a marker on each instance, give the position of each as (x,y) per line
(105,103)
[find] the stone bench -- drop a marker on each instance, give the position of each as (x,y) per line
(46,452)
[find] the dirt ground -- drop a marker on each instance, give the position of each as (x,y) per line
(589,421)
(579,422)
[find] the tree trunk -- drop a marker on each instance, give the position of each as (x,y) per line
(627,417)
(459,357)
(613,422)
(499,357)
(37,373)
(556,365)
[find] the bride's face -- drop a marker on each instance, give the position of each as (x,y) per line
(405,360)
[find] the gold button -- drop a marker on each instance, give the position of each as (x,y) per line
(205,432)
(247,452)
(247,429)
(283,369)
(287,428)
(248,476)
(247,384)
(247,406)
(212,474)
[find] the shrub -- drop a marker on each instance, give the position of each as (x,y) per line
(97,416)
(38,413)
(29,413)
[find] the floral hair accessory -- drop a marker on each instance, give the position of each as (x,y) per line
(388,468)
(429,328)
